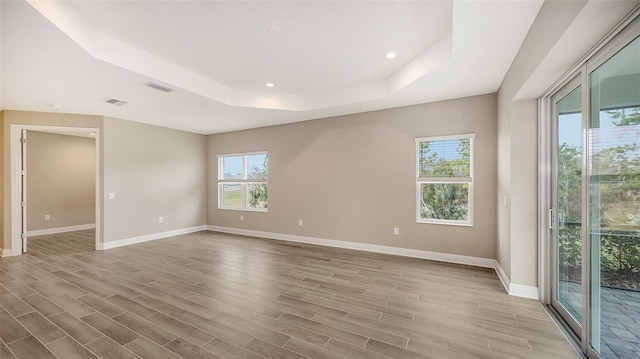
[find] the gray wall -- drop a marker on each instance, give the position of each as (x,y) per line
(61,180)
(154,172)
(352,178)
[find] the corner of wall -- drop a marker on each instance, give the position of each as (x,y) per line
(2,181)
(517,146)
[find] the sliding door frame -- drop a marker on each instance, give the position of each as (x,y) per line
(554,217)
(609,46)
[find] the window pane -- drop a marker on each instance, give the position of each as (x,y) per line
(257,166)
(569,204)
(232,167)
(446,158)
(446,201)
(257,195)
(614,204)
(231,195)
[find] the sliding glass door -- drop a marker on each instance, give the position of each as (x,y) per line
(594,216)
(614,204)
(567,233)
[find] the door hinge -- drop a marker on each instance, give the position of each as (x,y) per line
(23,140)
(23,204)
(23,235)
(23,172)
(551,218)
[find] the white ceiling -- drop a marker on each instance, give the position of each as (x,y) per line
(325,58)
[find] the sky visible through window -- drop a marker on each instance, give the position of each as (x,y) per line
(233,167)
(447,149)
(571,128)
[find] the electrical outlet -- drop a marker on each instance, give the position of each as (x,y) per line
(396,231)
(112,195)
(241,217)
(504,201)
(47,217)
(299,223)
(160,219)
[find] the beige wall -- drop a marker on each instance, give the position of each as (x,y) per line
(153,172)
(33,118)
(61,180)
(352,178)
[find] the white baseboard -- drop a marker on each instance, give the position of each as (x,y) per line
(504,279)
(11,253)
(42,232)
(517,290)
(414,253)
(149,237)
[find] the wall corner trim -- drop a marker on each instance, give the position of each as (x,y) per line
(149,237)
(514,289)
(406,252)
(42,232)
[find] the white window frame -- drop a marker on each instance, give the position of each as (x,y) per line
(444,180)
(244,182)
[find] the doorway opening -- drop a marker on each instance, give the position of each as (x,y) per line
(50,196)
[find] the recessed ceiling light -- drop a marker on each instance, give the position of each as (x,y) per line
(390,55)
(270,84)
(92,134)
(55,106)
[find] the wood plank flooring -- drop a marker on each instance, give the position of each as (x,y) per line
(212,295)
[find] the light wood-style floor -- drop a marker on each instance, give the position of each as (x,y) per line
(211,295)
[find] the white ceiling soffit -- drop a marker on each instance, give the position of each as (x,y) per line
(325,58)
(580,37)
(198,68)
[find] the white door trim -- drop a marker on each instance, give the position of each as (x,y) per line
(16,184)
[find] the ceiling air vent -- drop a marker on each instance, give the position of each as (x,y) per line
(115,101)
(159,87)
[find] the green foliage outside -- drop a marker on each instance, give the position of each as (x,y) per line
(448,201)
(570,209)
(625,117)
(258,193)
(615,212)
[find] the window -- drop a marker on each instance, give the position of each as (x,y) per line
(444,179)
(242,181)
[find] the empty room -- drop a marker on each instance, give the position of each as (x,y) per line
(320,179)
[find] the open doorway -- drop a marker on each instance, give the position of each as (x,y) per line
(55,187)
(61,181)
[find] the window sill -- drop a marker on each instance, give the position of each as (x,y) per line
(245,209)
(446,223)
